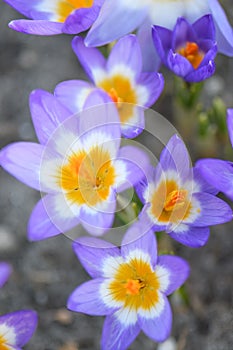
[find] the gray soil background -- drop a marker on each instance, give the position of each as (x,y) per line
(46,272)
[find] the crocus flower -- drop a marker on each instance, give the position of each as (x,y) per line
(130,286)
(50,17)
(189,50)
(5,271)
(119,18)
(218,172)
(120,77)
(178,200)
(16,329)
(78,163)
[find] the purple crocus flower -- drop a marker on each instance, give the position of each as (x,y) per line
(120,77)
(5,271)
(189,50)
(130,286)
(50,17)
(178,200)
(17,328)
(78,163)
(119,18)
(218,172)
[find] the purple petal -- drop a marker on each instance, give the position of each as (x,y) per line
(36,27)
(182,33)
(23,323)
(162,38)
(22,160)
(202,184)
(136,124)
(179,64)
(97,97)
(90,58)
(87,299)
(127,52)
(73,94)
(150,58)
(154,83)
(47,114)
(214,211)
(218,173)
(5,271)
(89,250)
(117,336)
(211,51)
(204,28)
(178,271)
(194,237)
(113,22)
(175,157)
(98,222)
(224,30)
(230,124)
(50,217)
(142,184)
(80,20)
(201,73)
(158,328)
(138,237)
(137,163)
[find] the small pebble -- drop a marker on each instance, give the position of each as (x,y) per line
(8,241)
(169,344)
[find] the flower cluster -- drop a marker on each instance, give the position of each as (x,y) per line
(87,157)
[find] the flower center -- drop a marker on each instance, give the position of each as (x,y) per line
(2,343)
(135,284)
(120,89)
(115,98)
(192,53)
(65,7)
(175,200)
(169,203)
(87,178)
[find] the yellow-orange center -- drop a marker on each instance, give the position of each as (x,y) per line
(87,178)
(175,200)
(193,54)
(170,203)
(65,7)
(120,89)
(136,285)
(3,345)
(133,286)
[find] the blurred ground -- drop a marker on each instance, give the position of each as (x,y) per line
(45,273)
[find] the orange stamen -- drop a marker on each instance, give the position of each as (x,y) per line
(114,96)
(133,286)
(175,200)
(193,54)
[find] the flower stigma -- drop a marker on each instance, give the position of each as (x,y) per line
(192,53)
(175,200)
